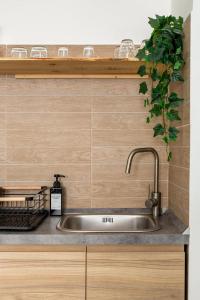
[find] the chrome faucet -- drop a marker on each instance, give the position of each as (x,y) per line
(154,200)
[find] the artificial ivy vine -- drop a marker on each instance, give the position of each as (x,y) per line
(165,46)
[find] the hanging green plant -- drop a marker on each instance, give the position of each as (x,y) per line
(165,47)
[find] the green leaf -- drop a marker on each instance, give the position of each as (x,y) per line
(167,32)
(146,102)
(172,115)
(158,130)
(178,31)
(165,76)
(156,110)
(141,54)
(154,23)
(169,157)
(165,139)
(159,101)
(173,133)
(148,119)
(177,65)
(157,54)
(143,88)
(156,93)
(142,70)
(174,100)
(178,50)
(154,74)
(160,92)
(180,21)
(176,76)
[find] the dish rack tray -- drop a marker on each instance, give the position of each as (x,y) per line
(22,209)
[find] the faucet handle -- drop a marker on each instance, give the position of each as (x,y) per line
(149,202)
(149,194)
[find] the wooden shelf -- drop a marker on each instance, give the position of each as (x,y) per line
(70,67)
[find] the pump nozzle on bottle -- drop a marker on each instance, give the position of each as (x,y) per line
(56,183)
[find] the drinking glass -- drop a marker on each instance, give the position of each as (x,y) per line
(123,52)
(127,49)
(19,52)
(38,52)
(88,51)
(63,51)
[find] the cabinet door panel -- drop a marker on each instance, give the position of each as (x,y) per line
(40,273)
(135,276)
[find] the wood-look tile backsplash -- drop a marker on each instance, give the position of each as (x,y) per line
(84,129)
(179,167)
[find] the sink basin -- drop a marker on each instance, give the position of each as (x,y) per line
(92,223)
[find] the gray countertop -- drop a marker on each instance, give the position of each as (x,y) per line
(171,232)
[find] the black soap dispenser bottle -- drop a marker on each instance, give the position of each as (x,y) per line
(56,197)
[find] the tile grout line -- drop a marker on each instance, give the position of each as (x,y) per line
(78,112)
(6,139)
(99,181)
(91,153)
(179,167)
(6,120)
(178,186)
(182,126)
(99,163)
(63,95)
(70,95)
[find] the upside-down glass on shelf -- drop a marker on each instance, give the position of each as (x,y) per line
(88,51)
(19,52)
(125,50)
(63,52)
(39,52)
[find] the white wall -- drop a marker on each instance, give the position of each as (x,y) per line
(181,7)
(77,21)
(194,253)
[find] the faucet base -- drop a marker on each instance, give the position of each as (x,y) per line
(156,199)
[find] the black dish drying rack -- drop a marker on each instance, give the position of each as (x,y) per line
(22,209)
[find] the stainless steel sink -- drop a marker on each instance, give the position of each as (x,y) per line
(91,223)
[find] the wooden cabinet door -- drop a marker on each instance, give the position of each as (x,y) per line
(47,274)
(132,275)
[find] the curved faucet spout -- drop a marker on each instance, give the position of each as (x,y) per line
(156,164)
(155,195)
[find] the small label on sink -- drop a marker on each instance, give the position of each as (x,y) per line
(107,220)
